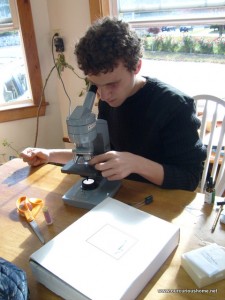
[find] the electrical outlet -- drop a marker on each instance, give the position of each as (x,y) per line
(59,44)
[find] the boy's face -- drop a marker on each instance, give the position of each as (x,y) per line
(116,86)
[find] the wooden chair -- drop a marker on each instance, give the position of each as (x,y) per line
(211,111)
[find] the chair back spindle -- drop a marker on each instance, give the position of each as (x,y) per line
(211,111)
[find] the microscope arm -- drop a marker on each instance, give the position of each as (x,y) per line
(81,125)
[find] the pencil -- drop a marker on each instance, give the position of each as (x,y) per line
(217,219)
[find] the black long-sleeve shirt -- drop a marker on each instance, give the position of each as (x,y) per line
(159,123)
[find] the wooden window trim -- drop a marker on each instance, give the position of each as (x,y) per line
(99,9)
(23,111)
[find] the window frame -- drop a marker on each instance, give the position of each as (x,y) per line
(174,20)
(102,8)
(99,9)
(18,111)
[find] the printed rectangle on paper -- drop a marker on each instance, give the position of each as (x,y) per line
(112,241)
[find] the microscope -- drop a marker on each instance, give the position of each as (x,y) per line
(91,137)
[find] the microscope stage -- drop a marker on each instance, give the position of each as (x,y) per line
(79,197)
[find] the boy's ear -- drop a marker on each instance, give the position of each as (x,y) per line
(138,67)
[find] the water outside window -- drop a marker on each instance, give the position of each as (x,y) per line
(14,83)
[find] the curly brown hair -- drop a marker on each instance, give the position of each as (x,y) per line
(107,42)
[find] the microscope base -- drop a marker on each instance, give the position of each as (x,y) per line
(88,199)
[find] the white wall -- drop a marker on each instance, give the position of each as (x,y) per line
(71,18)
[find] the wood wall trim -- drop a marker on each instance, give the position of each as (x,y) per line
(99,9)
(30,47)
(18,113)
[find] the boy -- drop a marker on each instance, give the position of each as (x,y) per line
(153,127)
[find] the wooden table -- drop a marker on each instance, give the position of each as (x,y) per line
(186,209)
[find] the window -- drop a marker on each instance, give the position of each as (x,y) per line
(171,11)
(189,35)
(20,77)
(14,81)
